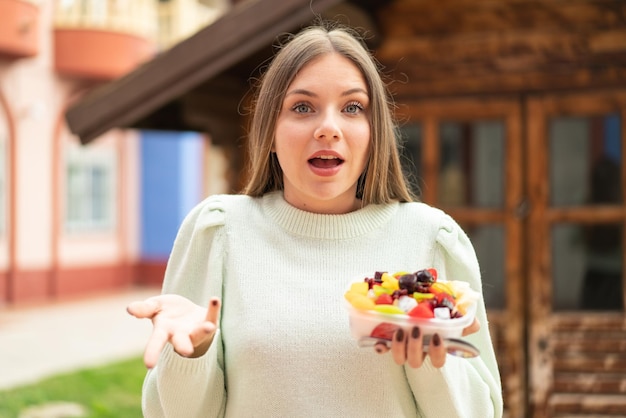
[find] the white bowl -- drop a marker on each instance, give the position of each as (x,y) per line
(382,325)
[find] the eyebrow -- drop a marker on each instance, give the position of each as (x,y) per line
(311,94)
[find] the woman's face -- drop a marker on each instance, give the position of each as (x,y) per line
(322,138)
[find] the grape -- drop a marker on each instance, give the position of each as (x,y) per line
(425,276)
(408,282)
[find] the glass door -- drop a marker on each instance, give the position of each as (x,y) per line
(465,157)
(576,233)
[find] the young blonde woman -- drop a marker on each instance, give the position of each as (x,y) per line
(326,203)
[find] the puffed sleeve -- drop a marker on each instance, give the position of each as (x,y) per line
(181,387)
(468,388)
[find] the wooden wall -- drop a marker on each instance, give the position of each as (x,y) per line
(452,47)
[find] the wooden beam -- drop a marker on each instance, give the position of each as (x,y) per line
(506,52)
(588,406)
(456,85)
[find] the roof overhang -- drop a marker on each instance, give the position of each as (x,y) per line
(249,27)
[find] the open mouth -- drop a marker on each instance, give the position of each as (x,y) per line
(326,161)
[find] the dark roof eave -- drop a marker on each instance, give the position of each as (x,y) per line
(246,28)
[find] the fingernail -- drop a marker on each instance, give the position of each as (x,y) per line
(415,333)
(378,348)
(214,302)
(400,334)
(436,340)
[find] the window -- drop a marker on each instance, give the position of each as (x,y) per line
(91,190)
(471,170)
(585,166)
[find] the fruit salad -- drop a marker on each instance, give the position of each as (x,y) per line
(385,301)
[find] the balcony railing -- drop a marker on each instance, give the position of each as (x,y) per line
(164,22)
(103,39)
(179,19)
(138,17)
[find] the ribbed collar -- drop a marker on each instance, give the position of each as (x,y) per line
(324,226)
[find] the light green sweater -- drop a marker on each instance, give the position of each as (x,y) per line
(284,348)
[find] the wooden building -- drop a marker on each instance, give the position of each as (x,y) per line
(512,114)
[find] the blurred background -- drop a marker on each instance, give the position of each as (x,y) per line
(118,116)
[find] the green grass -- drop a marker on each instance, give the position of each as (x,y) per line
(111,391)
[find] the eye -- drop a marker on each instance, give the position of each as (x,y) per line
(353,107)
(301,108)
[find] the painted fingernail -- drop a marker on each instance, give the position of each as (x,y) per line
(415,333)
(436,340)
(214,302)
(400,335)
(378,348)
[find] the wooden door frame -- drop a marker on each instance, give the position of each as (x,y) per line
(542,320)
(429,113)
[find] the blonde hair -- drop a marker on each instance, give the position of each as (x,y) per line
(383,180)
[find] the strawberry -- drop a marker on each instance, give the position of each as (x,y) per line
(384,299)
(422,310)
(384,331)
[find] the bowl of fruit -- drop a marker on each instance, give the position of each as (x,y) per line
(380,304)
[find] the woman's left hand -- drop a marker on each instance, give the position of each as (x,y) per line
(409,347)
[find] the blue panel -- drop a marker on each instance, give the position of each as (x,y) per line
(159,184)
(171,184)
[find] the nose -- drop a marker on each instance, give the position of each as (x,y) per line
(328,128)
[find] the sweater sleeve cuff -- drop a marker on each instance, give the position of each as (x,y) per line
(174,362)
(167,388)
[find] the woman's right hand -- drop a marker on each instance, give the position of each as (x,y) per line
(188,327)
